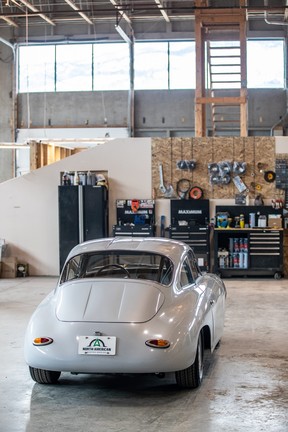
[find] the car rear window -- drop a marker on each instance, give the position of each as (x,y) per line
(120,264)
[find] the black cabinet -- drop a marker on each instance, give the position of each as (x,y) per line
(135,218)
(83,215)
(247,252)
(198,238)
(190,224)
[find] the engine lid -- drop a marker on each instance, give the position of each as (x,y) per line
(110,300)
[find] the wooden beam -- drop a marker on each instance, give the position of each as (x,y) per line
(200,108)
(225,100)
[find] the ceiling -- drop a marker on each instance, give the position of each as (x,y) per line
(14,13)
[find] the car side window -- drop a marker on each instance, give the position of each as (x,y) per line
(194,266)
(71,270)
(186,277)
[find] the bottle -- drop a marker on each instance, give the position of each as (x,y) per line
(76,179)
(65,179)
(89,179)
(242,221)
(252,220)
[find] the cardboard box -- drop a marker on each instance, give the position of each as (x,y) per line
(275,222)
(9,267)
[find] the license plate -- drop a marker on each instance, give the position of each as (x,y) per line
(97,345)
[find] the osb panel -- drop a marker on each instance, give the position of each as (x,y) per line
(202,154)
(249,178)
(223,150)
(169,151)
(280,193)
(181,150)
(265,155)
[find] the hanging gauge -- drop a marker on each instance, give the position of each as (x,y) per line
(215,179)
(226,179)
(213,168)
(269,176)
(239,168)
(196,192)
(183,187)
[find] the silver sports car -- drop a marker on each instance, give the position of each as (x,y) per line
(127,305)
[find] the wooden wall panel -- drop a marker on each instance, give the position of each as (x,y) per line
(252,150)
(265,155)
(249,153)
(203,155)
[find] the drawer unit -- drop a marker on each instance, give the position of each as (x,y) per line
(198,238)
(136,231)
(259,252)
(135,218)
(265,249)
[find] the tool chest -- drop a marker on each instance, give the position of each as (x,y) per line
(135,218)
(189,223)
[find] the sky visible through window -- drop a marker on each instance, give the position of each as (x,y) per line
(157,65)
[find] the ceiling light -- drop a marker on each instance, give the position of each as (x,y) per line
(123,34)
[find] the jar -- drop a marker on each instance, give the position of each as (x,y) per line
(262,221)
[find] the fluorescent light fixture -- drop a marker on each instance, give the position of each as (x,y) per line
(122,33)
(123,14)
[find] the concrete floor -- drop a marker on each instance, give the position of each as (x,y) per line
(245,387)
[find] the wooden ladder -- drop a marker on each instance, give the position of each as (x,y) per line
(221,76)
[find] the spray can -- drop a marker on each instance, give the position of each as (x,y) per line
(245,261)
(241,259)
(252,220)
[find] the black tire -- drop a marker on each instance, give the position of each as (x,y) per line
(192,376)
(43,376)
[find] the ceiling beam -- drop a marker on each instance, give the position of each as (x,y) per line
(82,14)
(163,12)
(34,9)
(9,21)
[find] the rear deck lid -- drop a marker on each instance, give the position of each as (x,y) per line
(108,301)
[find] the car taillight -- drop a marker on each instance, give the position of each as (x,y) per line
(158,343)
(42,341)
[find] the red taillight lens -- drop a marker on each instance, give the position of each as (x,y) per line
(42,341)
(158,343)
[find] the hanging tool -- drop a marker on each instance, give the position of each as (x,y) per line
(168,192)
(162,186)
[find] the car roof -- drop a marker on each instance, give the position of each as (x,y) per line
(171,248)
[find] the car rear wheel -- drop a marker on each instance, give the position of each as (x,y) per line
(43,376)
(192,376)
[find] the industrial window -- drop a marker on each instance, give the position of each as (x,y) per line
(151,65)
(111,66)
(157,65)
(36,68)
(182,65)
(164,65)
(74,67)
(265,63)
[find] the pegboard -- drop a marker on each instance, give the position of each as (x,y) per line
(255,151)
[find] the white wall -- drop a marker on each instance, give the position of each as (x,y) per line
(29,210)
